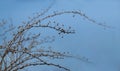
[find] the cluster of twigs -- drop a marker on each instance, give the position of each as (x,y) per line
(24,49)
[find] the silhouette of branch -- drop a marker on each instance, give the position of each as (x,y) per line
(24,49)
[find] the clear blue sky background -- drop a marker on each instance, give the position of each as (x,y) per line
(102,47)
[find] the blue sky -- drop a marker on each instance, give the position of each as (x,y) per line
(102,47)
